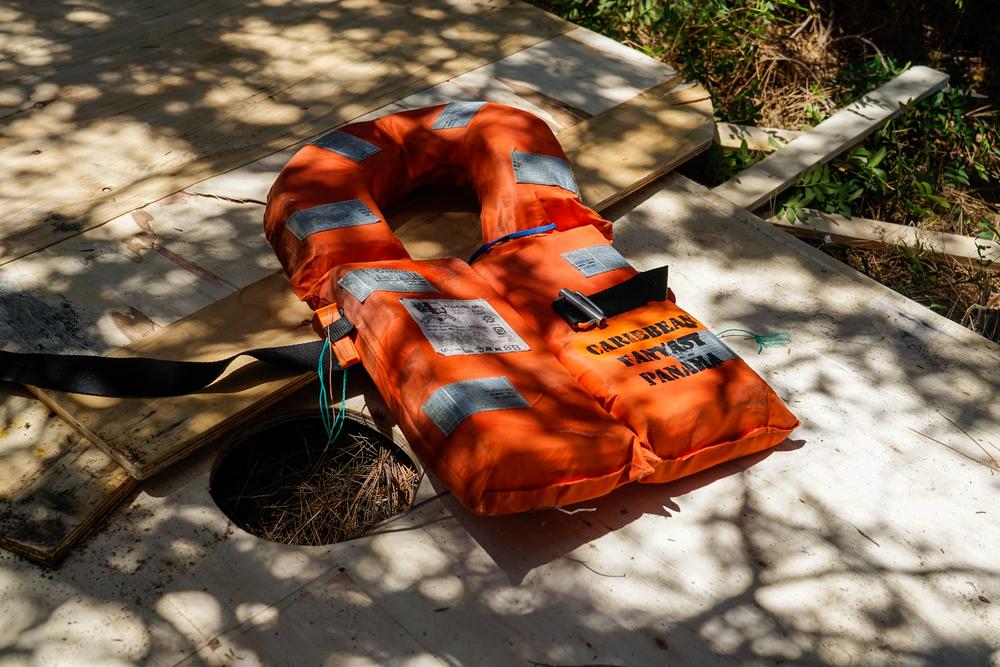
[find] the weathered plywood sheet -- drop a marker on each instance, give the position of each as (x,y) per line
(597,74)
(115,105)
(858,541)
(148,435)
(54,484)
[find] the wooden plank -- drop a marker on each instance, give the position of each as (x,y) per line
(764,139)
(55,486)
(624,149)
(874,233)
(147,435)
(163,96)
(760,183)
(857,541)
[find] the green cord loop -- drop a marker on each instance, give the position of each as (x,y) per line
(331,424)
(763,340)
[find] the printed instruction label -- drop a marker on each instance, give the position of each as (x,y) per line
(454,326)
(452,403)
(596,260)
(362,283)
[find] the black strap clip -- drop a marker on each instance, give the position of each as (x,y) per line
(586,314)
(583,312)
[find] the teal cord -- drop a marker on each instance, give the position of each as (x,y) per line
(333,425)
(341,412)
(763,340)
(324,402)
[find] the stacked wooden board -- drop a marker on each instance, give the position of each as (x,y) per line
(190,276)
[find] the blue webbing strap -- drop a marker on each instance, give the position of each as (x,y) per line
(513,235)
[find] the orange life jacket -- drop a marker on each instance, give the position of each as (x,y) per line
(549,371)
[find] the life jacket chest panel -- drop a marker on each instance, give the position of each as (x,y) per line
(477,393)
(657,369)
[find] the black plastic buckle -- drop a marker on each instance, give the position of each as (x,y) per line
(590,314)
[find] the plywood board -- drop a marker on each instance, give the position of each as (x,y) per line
(868,538)
(147,435)
(596,73)
(145,99)
(755,185)
(54,484)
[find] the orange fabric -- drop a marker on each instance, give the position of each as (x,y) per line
(412,154)
(562,448)
(692,415)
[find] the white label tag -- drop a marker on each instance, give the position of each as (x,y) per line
(596,260)
(361,283)
(463,326)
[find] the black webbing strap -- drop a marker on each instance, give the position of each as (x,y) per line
(144,376)
(587,311)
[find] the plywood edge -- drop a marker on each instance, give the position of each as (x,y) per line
(623,149)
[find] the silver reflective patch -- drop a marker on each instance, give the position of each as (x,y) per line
(543,170)
(347,145)
(456,114)
(596,260)
(704,343)
(453,402)
(362,283)
(350,213)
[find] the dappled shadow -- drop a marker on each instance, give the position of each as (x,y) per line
(110,106)
(871,544)
(756,567)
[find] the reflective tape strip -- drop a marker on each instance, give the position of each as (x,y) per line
(350,213)
(453,402)
(362,283)
(543,170)
(456,114)
(596,260)
(347,145)
(704,344)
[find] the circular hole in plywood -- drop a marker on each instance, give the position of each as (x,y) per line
(280,481)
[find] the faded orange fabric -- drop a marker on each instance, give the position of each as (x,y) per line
(412,154)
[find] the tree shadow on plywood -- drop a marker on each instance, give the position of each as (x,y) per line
(137,101)
(520,543)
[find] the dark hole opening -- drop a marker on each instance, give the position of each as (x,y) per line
(281,481)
